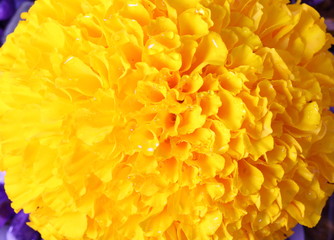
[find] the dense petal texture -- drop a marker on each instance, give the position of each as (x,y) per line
(168,119)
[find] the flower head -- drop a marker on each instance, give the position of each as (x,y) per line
(168,119)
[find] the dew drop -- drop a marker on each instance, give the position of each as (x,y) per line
(311,195)
(67,60)
(150,46)
(215,43)
(150,149)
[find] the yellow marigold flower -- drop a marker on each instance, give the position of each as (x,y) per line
(168,119)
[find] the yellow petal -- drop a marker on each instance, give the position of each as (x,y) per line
(210,223)
(183,4)
(195,22)
(191,120)
(310,118)
(250,178)
(260,147)
(222,136)
(78,76)
(135,10)
(210,104)
(211,50)
(209,165)
(289,189)
(65,225)
(232,112)
(215,190)
(157,224)
(201,138)
(191,84)
(296,209)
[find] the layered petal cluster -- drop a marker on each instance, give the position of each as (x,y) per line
(168,119)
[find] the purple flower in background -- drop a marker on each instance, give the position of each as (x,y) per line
(299,233)
(7,9)
(310,2)
(13,226)
(6,212)
(10,11)
(18,3)
(19,230)
(313,2)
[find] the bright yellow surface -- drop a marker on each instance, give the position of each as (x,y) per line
(168,119)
